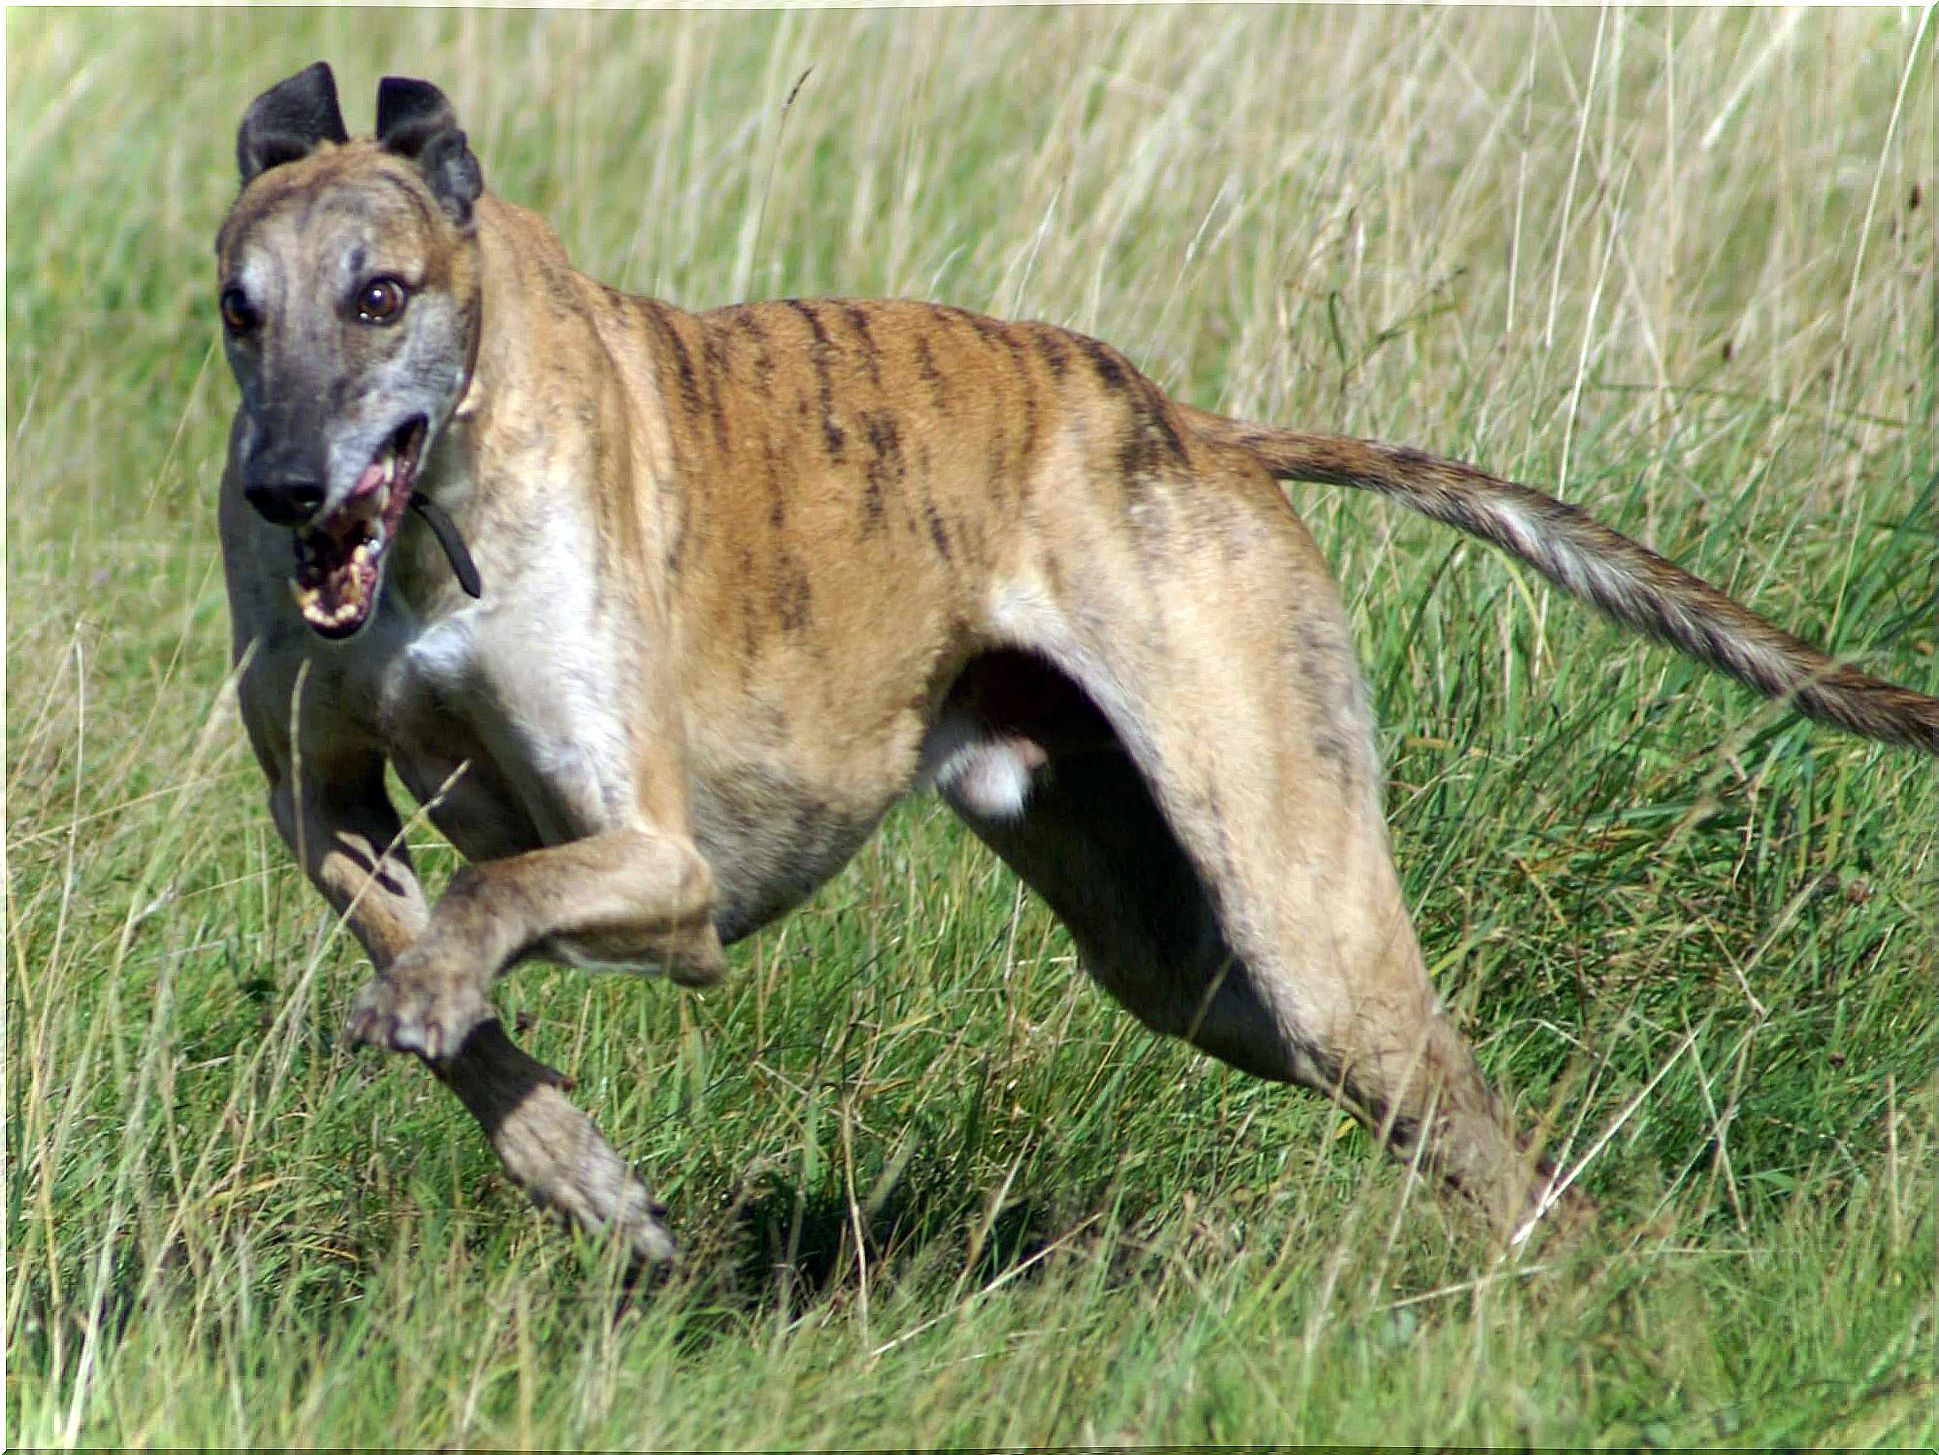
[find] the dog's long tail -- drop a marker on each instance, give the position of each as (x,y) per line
(1632,583)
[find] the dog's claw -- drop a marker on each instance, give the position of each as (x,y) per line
(647,1239)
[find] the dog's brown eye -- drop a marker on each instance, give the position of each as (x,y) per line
(381,301)
(237,315)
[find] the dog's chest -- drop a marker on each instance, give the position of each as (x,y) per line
(508,734)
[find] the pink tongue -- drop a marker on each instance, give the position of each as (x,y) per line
(344,523)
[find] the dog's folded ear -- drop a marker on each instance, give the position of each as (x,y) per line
(289,121)
(415,121)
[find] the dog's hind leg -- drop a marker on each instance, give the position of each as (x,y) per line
(1225,872)
(346,835)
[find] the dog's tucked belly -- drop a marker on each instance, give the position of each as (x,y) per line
(771,842)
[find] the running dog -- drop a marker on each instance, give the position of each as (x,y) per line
(658,612)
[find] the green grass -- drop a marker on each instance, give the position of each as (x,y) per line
(935,1187)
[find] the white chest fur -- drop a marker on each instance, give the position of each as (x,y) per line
(524,689)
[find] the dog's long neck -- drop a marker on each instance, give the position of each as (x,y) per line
(522,455)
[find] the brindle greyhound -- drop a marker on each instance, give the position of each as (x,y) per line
(749,576)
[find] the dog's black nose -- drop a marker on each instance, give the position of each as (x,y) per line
(284,502)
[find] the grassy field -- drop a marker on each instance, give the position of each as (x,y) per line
(935,1188)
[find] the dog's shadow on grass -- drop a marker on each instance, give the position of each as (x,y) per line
(778,1247)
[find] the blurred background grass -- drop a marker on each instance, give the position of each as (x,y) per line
(1677,267)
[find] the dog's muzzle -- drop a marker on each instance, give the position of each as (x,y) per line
(339,555)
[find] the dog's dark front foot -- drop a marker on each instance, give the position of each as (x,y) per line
(551,1148)
(419,1004)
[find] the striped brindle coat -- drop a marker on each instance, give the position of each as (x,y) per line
(744,578)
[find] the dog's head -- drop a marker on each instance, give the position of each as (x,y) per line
(349,286)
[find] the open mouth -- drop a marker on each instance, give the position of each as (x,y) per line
(339,556)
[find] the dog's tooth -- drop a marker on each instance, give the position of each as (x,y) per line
(309,601)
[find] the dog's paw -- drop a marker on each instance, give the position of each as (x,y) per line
(647,1240)
(553,1151)
(411,1007)
(610,1203)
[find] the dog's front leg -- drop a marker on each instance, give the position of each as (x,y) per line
(344,832)
(347,837)
(550,1147)
(621,894)
(636,892)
